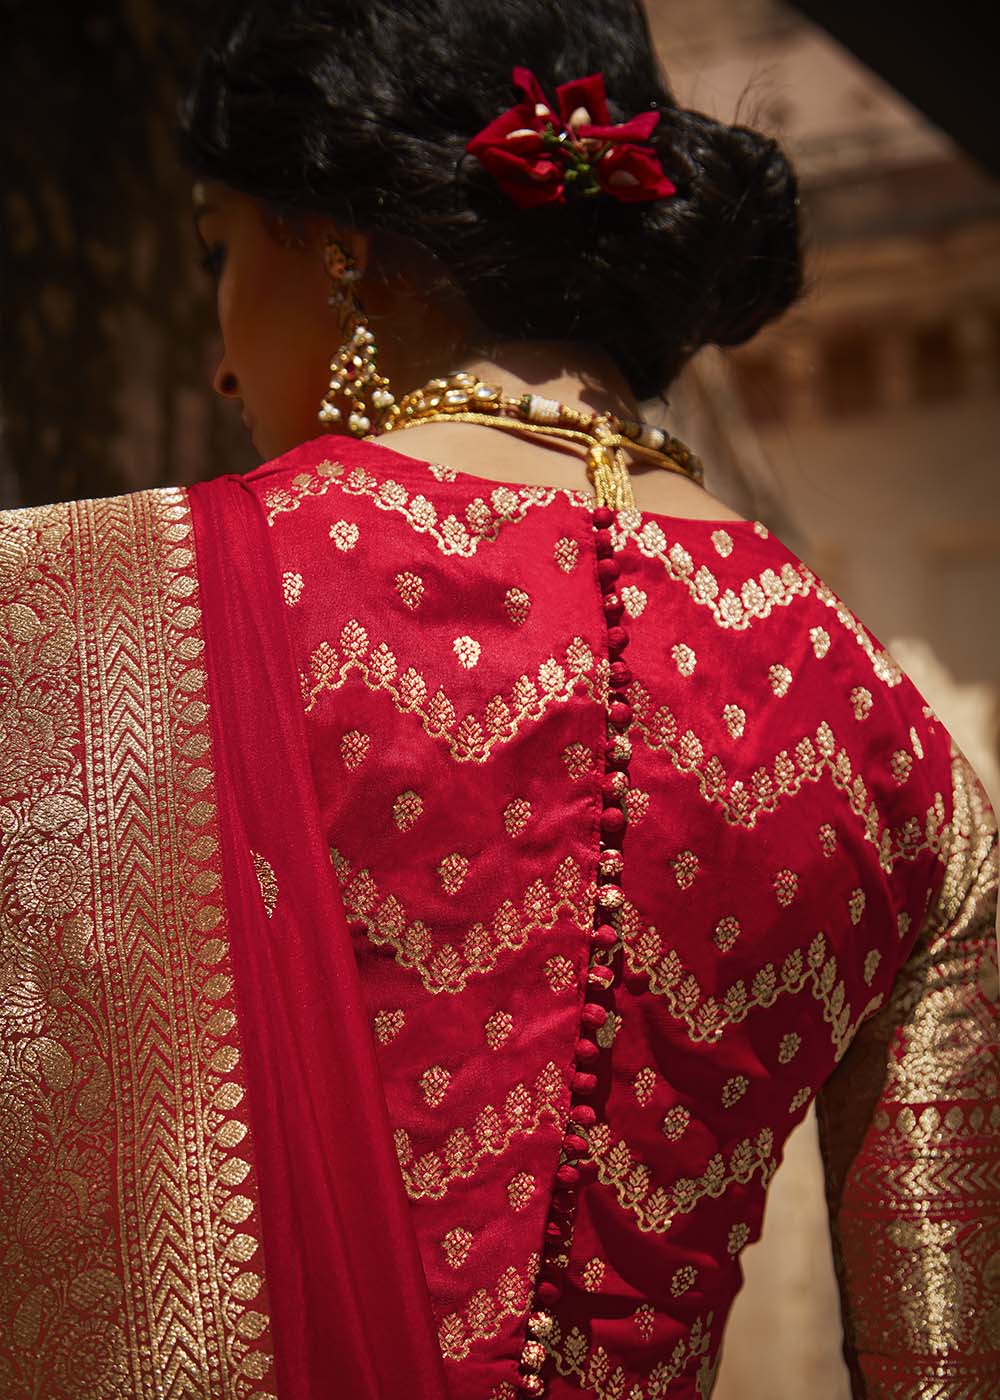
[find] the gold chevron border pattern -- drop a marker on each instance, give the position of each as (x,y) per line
(130,1237)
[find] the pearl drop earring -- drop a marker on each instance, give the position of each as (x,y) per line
(371,405)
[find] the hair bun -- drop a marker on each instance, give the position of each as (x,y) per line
(740,208)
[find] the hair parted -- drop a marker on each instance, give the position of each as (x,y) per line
(362,110)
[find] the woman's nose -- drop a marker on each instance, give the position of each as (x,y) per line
(225,382)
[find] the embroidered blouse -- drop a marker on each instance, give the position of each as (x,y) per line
(643,844)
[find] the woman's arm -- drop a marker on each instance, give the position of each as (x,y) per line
(910,1134)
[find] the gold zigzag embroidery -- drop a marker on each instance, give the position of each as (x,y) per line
(483,521)
(523,1112)
(655,1208)
(743,803)
(757,598)
(472,739)
(591,1366)
(705,1018)
(483,1314)
(447,968)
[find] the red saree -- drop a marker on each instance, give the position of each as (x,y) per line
(639,843)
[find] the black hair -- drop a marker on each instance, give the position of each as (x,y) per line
(362,109)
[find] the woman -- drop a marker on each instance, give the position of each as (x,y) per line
(442,866)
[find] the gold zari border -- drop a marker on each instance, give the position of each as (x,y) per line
(130,1238)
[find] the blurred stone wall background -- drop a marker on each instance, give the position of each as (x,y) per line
(863,427)
(106,320)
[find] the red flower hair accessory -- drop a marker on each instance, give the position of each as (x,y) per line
(539,157)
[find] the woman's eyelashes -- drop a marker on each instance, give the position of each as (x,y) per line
(212,259)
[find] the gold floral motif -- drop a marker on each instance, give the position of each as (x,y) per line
(735,720)
(684,1278)
(592,1275)
(497,1029)
(407,809)
(305,486)
(291,587)
(518,605)
(520,1190)
(429,1174)
(567,552)
(727,930)
(452,872)
(800,1099)
(791,1043)
(560,973)
(579,760)
(473,737)
(354,747)
(786,885)
(780,679)
(483,1315)
(636,805)
(410,588)
(434,1085)
(456,1245)
(267,881)
(856,905)
(388,1024)
(861,702)
(734,1089)
(643,1085)
(738,1236)
(900,766)
(516,816)
(468,650)
(344,534)
(685,867)
(723,542)
(675,1123)
(446,968)
(644,1318)
(872,960)
(122,1258)
(634,600)
(684,658)
(828,839)
(820,639)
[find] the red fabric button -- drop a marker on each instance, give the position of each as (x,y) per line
(548,1292)
(593,1015)
(567,1176)
(553,1231)
(583,1083)
(621,674)
(576,1145)
(612,607)
(584,1115)
(603,517)
(614,786)
(600,976)
(613,821)
(617,639)
(586,1051)
(620,713)
(605,548)
(604,936)
(607,571)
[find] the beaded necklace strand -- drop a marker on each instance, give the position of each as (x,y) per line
(462,398)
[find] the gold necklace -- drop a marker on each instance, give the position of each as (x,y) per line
(462,398)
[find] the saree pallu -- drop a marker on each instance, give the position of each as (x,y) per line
(221,1176)
(132,1060)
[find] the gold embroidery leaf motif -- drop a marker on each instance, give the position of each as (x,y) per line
(125,1269)
(268,882)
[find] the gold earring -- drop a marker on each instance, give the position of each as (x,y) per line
(353,371)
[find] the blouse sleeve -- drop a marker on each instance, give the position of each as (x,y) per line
(910,1136)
